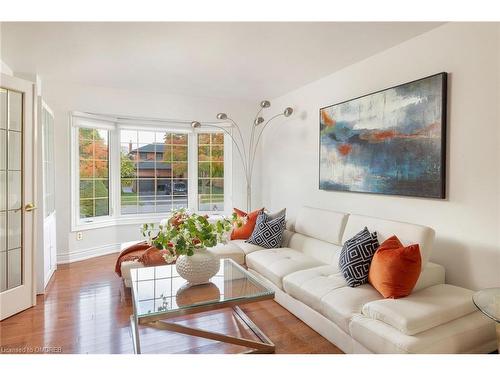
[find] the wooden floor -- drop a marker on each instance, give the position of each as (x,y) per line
(86,309)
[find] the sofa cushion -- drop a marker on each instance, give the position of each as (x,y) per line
(325,252)
(229,250)
(268,230)
(247,247)
(274,264)
(321,224)
(473,333)
(423,310)
(432,274)
(310,285)
(395,268)
(341,304)
(407,233)
(356,255)
(245,231)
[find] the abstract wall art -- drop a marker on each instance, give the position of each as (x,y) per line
(389,142)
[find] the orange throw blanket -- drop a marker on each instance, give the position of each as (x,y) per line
(142,252)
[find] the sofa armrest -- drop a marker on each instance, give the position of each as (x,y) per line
(432,274)
(126,267)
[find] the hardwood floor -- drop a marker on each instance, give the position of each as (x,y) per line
(86,309)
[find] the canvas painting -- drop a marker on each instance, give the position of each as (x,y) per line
(389,142)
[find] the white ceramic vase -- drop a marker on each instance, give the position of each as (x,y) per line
(199,267)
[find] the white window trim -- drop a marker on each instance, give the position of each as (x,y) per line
(114,125)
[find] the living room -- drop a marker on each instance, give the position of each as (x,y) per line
(201,185)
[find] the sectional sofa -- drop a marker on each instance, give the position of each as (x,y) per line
(436,318)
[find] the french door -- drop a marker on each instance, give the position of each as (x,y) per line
(16,196)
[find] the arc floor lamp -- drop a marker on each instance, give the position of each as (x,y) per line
(247,152)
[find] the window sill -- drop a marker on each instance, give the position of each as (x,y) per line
(133,220)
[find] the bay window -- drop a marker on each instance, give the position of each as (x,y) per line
(128,171)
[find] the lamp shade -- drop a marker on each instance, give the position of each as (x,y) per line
(265,104)
(288,111)
(259,120)
(195,124)
(221,116)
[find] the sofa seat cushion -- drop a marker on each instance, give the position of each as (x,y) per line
(341,304)
(422,310)
(247,247)
(310,285)
(473,333)
(229,250)
(275,264)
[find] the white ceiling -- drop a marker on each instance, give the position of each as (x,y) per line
(238,60)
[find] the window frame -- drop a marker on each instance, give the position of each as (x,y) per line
(114,126)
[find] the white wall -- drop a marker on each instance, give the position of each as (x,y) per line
(5,69)
(64,98)
(467,223)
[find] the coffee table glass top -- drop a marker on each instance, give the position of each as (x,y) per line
(160,290)
(488,301)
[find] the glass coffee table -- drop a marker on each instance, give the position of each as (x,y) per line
(488,302)
(159,293)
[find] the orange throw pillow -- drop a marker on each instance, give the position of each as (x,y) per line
(245,231)
(395,268)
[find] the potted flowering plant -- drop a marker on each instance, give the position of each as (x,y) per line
(185,237)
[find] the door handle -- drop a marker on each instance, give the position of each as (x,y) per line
(29,207)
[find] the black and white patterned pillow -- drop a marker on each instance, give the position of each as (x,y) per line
(268,230)
(356,256)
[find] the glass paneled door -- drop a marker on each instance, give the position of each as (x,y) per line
(16,195)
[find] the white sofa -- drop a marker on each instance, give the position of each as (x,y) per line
(304,273)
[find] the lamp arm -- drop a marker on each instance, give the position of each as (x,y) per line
(254,151)
(240,135)
(252,136)
(243,159)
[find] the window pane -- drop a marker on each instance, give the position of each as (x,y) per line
(86,168)
(101,188)
(129,200)
(203,139)
(94,172)
(180,187)
(146,207)
(101,207)
(149,185)
(179,153)
(218,153)
(128,137)
(86,208)
(218,138)
(101,169)
(145,137)
(163,189)
(211,172)
(204,186)
(86,150)
(217,170)
(179,139)
(218,186)
(179,202)
(86,189)
(203,169)
(180,170)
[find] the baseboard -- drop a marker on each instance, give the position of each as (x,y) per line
(91,252)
